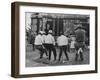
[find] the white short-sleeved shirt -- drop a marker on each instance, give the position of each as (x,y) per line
(44,37)
(49,39)
(38,40)
(62,40)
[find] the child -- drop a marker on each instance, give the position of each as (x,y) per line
(72,44)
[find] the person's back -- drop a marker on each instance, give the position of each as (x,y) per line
(38,40)
(44,37)
(80,42)
(62,43)
(49,39)
(50,44)
(80,35)
(62,40)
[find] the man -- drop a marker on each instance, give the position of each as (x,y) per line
(38,43)
(80,41)
(44,46)
(49,44)
(72,43)
(62,43)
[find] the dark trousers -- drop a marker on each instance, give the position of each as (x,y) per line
(51,48)
(68,47)
(77,46)
(63,49)
(42,50)
(33,46)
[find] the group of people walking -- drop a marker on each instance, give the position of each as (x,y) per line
(45,43)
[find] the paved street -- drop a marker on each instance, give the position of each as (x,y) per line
(32,58)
